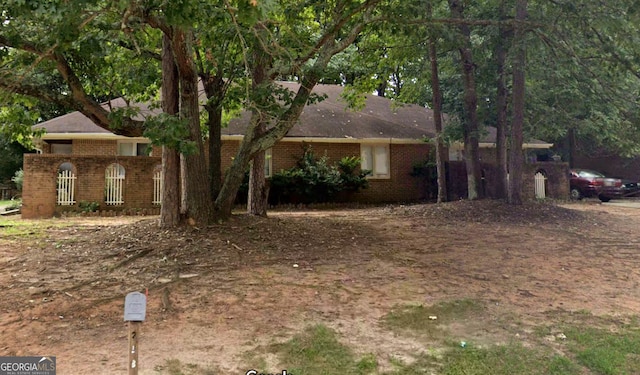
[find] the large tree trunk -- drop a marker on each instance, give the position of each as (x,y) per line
(251,144)
(214,87)
(258,191)
(257,199)
(199,202)
(501,109)
(470,131)
(170,210)
(516,159)
(437,119)
(235,174)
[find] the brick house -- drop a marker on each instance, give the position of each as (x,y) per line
(81,162)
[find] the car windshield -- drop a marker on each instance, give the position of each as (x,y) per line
(585,173)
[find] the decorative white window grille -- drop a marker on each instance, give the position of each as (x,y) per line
(540,189)
(66,185)
(114,185)
(157,187)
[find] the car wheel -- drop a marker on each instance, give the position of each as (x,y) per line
(603,198)
(575,194)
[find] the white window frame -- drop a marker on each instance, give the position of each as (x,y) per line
(379,165)
(134,147)
(268,163)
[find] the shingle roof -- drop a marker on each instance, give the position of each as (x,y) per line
(328,119)
(76,122)
(331,118)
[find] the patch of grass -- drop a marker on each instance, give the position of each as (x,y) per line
(10,204)
(16,227)
(506,360)
(425,364)
(175,367)
(255,360)
(430,320)
(605,351)
(318,351)
(497,360)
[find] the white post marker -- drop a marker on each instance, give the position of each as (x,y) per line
(135,309)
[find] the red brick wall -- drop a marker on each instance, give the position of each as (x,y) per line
(94,147)
(557,185)
(39,192)
(40,171)
(401,186)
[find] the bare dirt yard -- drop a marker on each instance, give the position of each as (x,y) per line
(216,293)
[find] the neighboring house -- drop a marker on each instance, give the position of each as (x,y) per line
(80,161)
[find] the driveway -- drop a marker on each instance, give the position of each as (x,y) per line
(628,203)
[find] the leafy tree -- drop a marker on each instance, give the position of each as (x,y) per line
(18,179)
(67,36)
(11,160)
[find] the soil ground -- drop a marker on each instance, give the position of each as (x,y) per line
(218,292)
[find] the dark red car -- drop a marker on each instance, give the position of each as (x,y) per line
(585,183)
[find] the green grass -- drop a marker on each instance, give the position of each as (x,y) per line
(420,319)
(498,360)
(506,360)
(13,226)
(318,351)
(605,351)
(9,203)
(593,345)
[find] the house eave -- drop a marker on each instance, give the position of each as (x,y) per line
(336,140)
(92,136)
(538,146)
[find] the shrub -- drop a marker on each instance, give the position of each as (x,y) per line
(18,179)
(85,206)
(314,180)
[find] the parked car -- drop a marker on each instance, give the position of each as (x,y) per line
(585,183)
(630,188)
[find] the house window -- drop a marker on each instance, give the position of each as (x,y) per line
(455,155)
(268,163)
(62,147)
(126,148)
(114,185)
(375,158)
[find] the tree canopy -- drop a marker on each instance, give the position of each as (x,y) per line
(581,69)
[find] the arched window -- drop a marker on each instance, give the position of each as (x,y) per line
(114,185)
(66,185)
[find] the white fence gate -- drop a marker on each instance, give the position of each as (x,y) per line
(66,188)
(540,185)
(157,187)
(114,185)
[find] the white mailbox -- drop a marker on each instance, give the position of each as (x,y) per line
(135,307)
